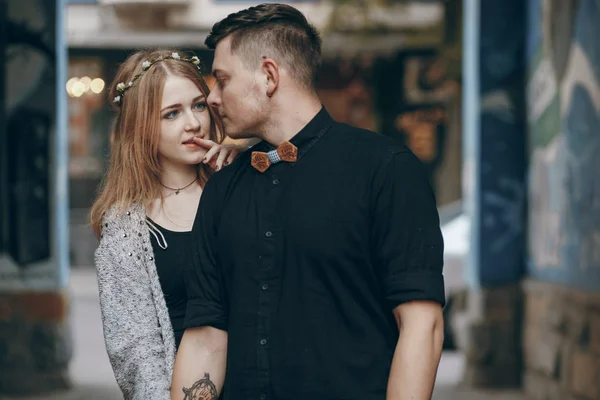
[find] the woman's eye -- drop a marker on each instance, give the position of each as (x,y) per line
(171,115)
(200,106)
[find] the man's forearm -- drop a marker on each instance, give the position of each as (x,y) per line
(199,370)
(415,363)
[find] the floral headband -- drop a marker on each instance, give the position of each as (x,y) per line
(122,87)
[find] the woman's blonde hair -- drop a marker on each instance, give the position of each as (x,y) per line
(133,174)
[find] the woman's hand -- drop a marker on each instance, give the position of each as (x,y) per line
(218,155)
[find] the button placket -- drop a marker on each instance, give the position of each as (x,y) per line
(269,224)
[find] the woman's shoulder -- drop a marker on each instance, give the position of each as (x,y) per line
(121,234)
(118,218)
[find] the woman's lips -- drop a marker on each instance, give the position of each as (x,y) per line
(190,141)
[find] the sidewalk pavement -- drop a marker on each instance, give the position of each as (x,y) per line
(93,378)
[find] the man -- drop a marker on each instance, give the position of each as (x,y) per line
(315,249)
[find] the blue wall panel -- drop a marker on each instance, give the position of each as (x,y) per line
(494,137)
(564,136)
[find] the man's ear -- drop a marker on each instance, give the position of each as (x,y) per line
(271,73)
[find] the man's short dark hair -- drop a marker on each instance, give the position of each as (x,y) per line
(276,31)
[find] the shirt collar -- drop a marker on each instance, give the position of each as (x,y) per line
(313,130)
(308,135)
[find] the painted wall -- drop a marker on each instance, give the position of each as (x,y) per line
(564,141)
(494,141)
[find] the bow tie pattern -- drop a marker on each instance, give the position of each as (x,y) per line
(285,152)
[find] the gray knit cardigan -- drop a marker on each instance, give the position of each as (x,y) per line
(138,334)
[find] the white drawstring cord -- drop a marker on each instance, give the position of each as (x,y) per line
(154,230)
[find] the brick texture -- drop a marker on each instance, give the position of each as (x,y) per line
(487,329)
(561,342)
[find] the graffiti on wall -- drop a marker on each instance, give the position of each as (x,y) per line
(500,158)
(564,133)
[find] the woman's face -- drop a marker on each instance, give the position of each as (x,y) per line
(183,115)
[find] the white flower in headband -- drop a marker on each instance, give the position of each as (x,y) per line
(122,87)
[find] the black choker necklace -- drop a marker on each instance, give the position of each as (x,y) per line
(182,188)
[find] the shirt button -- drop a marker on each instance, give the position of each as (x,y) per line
(265,286)
(269,234)
(275,182)
(263,342)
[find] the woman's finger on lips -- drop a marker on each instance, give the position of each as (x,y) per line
(205,143)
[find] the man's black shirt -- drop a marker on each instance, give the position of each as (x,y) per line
(304,263)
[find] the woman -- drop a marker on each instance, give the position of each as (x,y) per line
(164,148)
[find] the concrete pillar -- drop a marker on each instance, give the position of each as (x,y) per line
(562,314)
(35,339)
(487,324)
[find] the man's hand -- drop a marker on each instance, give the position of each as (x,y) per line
(418,351)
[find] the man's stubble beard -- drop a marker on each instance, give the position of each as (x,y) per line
(241,134)
(250,128)
(248,132)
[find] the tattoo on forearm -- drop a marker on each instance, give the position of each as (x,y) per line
(204,389)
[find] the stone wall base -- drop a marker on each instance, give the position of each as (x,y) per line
(35,343)
(561,342)
(486,327)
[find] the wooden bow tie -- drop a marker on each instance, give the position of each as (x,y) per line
(285,152)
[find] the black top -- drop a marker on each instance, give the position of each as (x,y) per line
(170,265)
(304,263)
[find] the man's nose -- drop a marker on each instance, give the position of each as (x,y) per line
(214,99)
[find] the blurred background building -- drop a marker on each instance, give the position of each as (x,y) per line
(499,99)
(367,48)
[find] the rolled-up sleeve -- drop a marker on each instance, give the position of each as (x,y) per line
(206,303)
(407,239)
